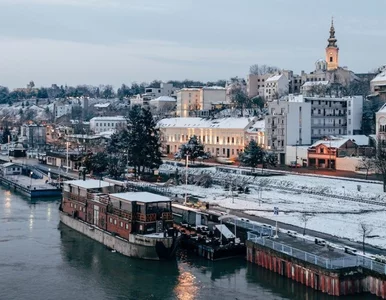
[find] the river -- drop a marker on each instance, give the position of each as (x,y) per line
(42,259)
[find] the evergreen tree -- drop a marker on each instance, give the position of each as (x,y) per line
(115,166)
(138,144)
(194,148)
(6,135)
(254,155)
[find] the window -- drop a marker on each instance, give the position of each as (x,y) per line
(115,222)
(75,206)
(127,226)
(349,121)
(321,150)
(228,139)
(217,139)
(330,58)
(111,220)
(233,151)
(233,140)
(349,112)
(121,224)
(71,205)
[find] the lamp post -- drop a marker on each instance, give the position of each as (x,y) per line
(186,179)
(30,184)
(49,175)
(296,154)
(66,157)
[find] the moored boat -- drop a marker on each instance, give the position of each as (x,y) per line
(135,224)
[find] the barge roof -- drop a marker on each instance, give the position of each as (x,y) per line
(89,183)
(141,197)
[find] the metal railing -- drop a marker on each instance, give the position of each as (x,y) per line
(333,264)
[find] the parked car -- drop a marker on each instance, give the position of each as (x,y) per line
(294,164)
(224,160)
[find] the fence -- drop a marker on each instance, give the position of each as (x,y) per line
(333,264)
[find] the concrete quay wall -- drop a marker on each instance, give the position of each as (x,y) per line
(340,282)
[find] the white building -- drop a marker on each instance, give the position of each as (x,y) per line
(10,168)
(333,116)
(199,99)
(102,124)
(275,87)
(287,123)
(62,109)
(163,103)
(381,123)
(221,137)
(165,89)
(378,84)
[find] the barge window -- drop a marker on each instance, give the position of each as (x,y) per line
(127,226)
(71,205)
(115,222)
(111,220)
(121,224)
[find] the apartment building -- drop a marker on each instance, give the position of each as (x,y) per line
(378,85)
(165,89)
(221,137)
(34,135)
(103,124)
(287,123)
(275,87)
(199,99)
(256,84)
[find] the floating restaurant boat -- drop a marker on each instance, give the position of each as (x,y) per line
(135,224)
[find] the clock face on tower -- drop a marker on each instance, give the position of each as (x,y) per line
(382,121)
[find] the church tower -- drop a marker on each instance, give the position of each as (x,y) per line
(332,50)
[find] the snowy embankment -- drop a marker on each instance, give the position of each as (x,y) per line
(335,205)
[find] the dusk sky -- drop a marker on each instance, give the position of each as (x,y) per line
(120,41)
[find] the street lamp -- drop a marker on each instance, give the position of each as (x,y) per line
(186,179)
(30,184)
(49,174)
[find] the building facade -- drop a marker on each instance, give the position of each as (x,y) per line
(256,84)
(275,87)
(333,116)
(221,137)
(102,124)
(287,123)
(34,135)
(378,85)
(165,89)
(198,99)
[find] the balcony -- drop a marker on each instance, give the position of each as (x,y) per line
(167,216)
(146,217)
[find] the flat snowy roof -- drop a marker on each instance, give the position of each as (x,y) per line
(89,183)
(141,197)
(236,123)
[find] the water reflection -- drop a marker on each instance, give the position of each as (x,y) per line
(7,204)
(119,276)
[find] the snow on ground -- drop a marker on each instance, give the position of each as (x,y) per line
(341,225)
(330,215)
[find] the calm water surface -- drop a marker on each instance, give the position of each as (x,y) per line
(41,259)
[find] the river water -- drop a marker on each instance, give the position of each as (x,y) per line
(42,259)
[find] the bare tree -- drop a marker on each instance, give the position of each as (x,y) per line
(380,160)
(305,217)
(367,163)
(262,69)
(365,230)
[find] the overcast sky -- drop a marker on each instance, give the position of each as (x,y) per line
(120,41)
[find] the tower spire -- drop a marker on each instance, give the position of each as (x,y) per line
(332,40)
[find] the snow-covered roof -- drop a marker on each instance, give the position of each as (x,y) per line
(331,143)
(313,83)
(164,98)
(381,77)
(106,134)
(89,183)
(383,108)
(141,197)
(102,105)
(8,164)
(258,126)
(360,139)
(274,78)
(214,88)
(231,123)
(113,118)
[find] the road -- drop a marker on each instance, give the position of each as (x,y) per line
(333,239)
